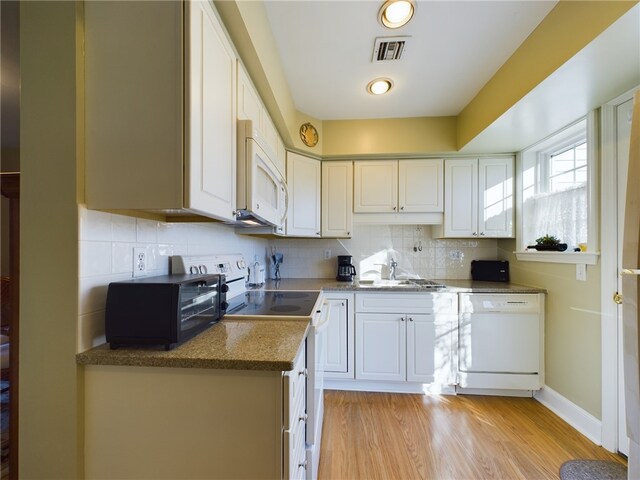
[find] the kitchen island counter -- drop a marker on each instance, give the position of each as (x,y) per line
(247,344)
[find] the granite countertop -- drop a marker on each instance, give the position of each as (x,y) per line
(246,344)
(452,286)
(264,343)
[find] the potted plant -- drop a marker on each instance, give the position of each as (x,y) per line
(549,243)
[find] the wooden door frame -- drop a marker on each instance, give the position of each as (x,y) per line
(10,188)
(609,271)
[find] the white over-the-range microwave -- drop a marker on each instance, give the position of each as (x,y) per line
(262,194)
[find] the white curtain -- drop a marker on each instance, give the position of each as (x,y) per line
(561,214)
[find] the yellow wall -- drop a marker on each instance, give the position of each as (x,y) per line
(409,136)
(572,326)
(50,404)
(568,28)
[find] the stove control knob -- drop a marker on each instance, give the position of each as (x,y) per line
(202,268)
(224,306)
(224,288)
(193,269)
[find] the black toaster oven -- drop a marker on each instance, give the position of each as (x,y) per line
(164,310)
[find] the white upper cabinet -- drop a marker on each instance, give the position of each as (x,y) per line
(250,107)
(375,188)
(405,186)
(495,200)
(303,182)
(270,134)
(211,157)
(420,185)
(281,157)
(160,110)
(249,104)
(479,198)
(337,199)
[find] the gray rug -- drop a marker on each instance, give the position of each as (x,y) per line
(592,470)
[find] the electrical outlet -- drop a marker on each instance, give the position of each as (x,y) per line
(327,253)
(139,262)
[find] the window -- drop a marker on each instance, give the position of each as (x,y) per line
(557,175)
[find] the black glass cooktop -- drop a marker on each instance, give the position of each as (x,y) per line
(261,302)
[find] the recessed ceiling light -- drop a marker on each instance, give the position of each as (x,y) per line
(396,13)
(379,86)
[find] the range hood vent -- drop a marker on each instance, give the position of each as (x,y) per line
(387,49)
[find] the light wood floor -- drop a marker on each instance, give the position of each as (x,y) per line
(400,436)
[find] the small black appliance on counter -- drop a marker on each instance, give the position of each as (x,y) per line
(490,270)
(163,310)
(346,270)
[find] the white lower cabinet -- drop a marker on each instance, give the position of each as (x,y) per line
(412,347)
(295,422)
(380,346)
(339,355)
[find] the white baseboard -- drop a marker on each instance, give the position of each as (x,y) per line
(388,387)
(577,417)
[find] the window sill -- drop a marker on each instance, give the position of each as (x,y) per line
(584,258)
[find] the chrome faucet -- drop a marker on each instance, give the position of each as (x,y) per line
(392,269)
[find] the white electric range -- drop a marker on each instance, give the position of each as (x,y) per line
(250,303)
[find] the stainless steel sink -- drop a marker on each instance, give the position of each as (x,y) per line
(410,282)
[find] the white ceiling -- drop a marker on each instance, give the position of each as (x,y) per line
(455,48)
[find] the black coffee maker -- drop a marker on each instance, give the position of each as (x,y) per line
(346,271)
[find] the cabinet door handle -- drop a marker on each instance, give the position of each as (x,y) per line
(402,319)
(475,234)
(303,372)
(402,208)
(411,319)
(394,208)
(303,418)
(318,234)
(482,234)
(303,465)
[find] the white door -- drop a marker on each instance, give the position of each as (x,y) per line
(623,133)
(336,343)
(337,199)
(375,186)
(303,182)
(420,185)
(461,198)
(381,346)
(211,148)
(495,200)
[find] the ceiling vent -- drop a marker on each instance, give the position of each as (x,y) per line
(388,49)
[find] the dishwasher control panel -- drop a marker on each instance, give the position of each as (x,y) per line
(477,303)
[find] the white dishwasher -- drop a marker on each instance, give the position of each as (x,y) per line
(500,342)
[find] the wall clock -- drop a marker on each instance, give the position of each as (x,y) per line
(309,134)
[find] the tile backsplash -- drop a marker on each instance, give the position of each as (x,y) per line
(106,255)
(107,241)
(373,246)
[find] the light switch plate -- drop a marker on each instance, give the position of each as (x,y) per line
(581,272)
